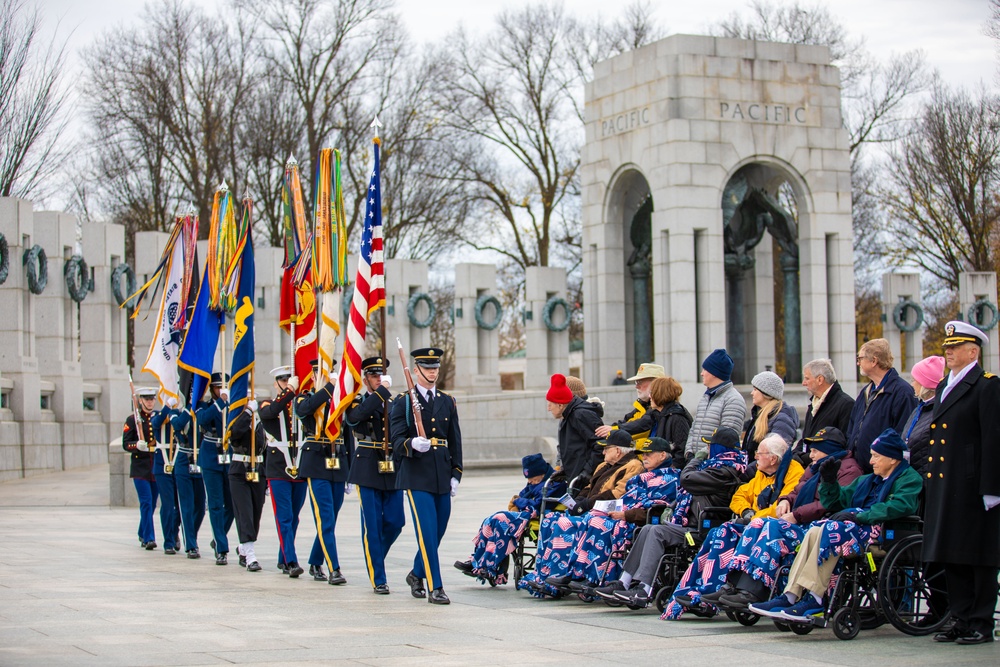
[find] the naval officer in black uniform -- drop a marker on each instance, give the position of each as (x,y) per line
(247,442)
(382,517)
(962,486)
(428,469)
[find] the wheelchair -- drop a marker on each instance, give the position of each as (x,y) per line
(676,560)
(526,550)
(889,582)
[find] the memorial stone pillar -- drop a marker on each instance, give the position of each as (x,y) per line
(546,349)
(477,363)
(405,279)
(907,346)
(975,290)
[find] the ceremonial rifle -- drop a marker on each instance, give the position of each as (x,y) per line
(412,390)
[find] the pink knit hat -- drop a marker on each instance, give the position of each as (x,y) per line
(928,372)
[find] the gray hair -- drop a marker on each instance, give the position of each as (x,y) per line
(624,451)
(774,444)
(821,368)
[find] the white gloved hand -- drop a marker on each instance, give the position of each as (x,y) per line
(420,444)
(224,395)
(454,487)
(348,488)
(142,446)
(293,383)
(252,405)
(990,502)
(386,380)
(171,402)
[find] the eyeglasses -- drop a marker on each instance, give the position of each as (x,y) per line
(860,357)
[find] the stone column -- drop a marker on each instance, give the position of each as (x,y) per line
(974,286)
(546,352)
(103,331)
(18,364)
(57,337)
(477,363)
(403,279)
(272,346)
(907,347)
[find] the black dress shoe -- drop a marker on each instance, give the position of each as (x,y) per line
(317,573)
(725,589)
(558,581)
(221,559)
(193,553)
(382,589)
(438,596)
(336,578)
(294,570)
(465,567)
(739,600)
(243,560)
(416,585)
(283,567)
(169,551)
(253,566)
(150,546)
(949,635)
(974,637)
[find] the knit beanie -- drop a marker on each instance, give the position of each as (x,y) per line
(576,386)
(558,391)
(719,364)
(534,465)
(928,372)
(769,383)
(889,444)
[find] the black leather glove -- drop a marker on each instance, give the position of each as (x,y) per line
(829,470)
(583,505)
(844,516)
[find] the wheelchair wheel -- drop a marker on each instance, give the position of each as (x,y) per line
(746,618)
(869,613)
(908,589)
(782,626)
(846,623)
(730,615)
(662,598)
(801,629)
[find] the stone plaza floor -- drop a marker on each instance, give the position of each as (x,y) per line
(76,589)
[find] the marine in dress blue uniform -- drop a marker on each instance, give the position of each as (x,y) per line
(962,486)
(166,484)
(214,464)
(288,491)
(141,443)
(190,488)
(247,454)
(382,517)
(325,484)
(427,469)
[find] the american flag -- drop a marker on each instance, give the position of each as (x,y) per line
(369,296)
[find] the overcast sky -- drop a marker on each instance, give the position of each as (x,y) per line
(949,31)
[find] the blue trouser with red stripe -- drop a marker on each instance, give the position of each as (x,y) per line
(325,498)
(146,491)
(431,512)
(382,521)
(287,498)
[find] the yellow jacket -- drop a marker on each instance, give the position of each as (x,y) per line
(746,496)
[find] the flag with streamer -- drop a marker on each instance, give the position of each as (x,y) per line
(241,386)
(294,222)
(222,251)
(369,295)
(297,316)
(200,343)
(330,238)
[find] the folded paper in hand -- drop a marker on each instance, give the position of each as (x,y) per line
(568,501)
(608,506)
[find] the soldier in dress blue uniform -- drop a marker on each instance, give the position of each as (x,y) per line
(429,469)
(190,488)
(214,464)
(288,491)
(962,486)
(166,484)
(247,454)
(325,483)
(141,443)
(382,517)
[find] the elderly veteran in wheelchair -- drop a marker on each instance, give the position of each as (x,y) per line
(891,492)
(576,545)
(768,543)
(708,480)
(497,537)
(777,474)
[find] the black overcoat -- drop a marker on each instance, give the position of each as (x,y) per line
(433,470)
(963,465)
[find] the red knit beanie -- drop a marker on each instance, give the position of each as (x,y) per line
(558,391)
